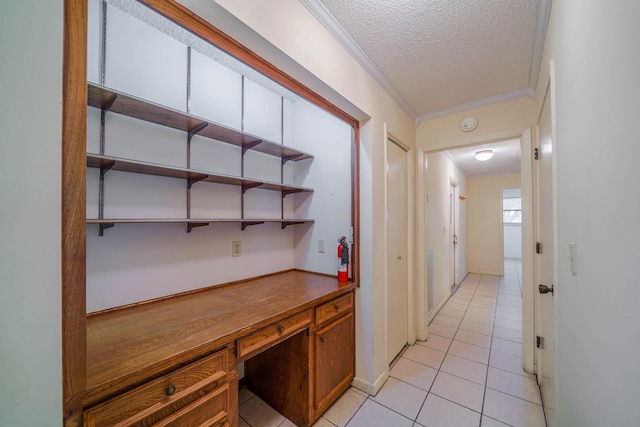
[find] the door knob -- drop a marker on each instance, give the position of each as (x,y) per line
(544,289)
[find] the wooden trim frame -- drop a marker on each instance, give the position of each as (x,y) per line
(355,204)
(73,222)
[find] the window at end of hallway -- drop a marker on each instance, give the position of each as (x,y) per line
(512,210)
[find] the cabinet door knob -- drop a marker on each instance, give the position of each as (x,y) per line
(170,390)
(281,329)
(322,338)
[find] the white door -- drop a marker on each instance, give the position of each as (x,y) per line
(453,238)
(397,265)
(545,259)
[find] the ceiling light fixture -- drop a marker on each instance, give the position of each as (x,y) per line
(484,155)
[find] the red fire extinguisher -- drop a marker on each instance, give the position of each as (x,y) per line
(343,260)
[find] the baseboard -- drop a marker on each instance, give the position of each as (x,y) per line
(488,273)
(369,388)
(438,308)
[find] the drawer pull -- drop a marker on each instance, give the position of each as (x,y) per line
(322,338)
(281,329)
(170,390)
(337,307)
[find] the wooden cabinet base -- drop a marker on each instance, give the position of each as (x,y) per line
(279,376)
(334,361)
(173,362)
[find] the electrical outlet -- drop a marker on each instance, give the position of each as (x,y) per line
(321,246)
(236,248)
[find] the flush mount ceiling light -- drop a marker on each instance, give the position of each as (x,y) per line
(484,155)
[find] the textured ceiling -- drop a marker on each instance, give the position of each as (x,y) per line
(506,159)
(440,55)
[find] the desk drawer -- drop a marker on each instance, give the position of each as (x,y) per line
(333,308)
(208,411)
(272,334)
(151,402)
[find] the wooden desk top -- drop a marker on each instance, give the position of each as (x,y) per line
(127,346)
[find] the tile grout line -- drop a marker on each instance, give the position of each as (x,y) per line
(440,365)
(447,353)
(486,379)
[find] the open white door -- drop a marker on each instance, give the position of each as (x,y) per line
(397,262)
(545,249)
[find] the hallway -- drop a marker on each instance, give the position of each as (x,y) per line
(468,373)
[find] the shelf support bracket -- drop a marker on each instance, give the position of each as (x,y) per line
(285,193)
(285,159)
(103,226)
(192,225)
(106,106)
(245,148)
(192,181)
(196,130)
(246,187)
(245,224)
(103,171)
(106,168)
(285,224)
(250,145)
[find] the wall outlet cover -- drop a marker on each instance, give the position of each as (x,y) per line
(236,248)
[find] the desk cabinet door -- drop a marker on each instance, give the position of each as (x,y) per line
(335,361)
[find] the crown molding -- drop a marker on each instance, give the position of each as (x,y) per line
(519,93)
(322,14)
(544,10)
(325,17)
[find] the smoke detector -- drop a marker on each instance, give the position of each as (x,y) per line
(468,124)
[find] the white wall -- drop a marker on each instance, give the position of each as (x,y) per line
(512,233)
(484,222)
(512,238)
(594,44)
(329,174)
(440,172)
(30,298)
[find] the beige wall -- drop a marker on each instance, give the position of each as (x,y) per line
(496,122)
(440,172)
(484,222)
(287,34)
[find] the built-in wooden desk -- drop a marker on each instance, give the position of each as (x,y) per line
(174,361)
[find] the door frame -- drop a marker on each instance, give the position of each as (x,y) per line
(454,211)
(526,184)
(550,92)
(412,288)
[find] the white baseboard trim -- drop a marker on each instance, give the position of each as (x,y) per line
(438,308)
(488,273)
(369,388)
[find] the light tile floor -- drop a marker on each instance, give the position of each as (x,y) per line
(468,373)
